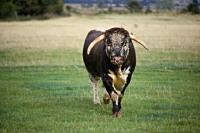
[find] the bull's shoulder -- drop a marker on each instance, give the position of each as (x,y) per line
(91,36)
(94,33)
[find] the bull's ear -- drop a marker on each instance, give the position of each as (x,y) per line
(139,41)
(92,44)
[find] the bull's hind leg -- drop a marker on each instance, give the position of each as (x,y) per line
(106,97)
(94,82)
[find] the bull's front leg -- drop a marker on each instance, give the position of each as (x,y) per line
(116,105)
(112,94)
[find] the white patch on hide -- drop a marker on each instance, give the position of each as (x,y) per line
(114,97)
(119,81)
(94,83)
(119,78)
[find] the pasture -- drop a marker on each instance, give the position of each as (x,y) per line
(44,86)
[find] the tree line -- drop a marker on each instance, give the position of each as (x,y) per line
(10,8)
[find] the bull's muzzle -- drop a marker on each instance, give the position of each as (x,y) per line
(116,60)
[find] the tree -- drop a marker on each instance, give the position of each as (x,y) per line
(134,6)
(7,9)
(193,8)
(38,7)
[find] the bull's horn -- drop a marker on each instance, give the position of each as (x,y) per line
(92,44)
(139,41)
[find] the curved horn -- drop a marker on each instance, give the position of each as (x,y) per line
(92,44)
(139,41)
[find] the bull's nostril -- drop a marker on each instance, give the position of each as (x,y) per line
(117,60)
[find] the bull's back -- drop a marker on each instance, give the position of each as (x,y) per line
(92,61)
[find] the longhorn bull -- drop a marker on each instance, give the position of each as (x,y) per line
(110,56)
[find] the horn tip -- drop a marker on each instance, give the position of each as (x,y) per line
(88,52)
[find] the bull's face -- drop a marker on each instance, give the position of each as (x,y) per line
(117,47)
(117,42)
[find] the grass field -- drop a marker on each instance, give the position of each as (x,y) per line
(44,86)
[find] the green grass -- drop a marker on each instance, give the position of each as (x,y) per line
(49,99)
(44,86)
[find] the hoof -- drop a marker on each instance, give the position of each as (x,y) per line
(106,101)
(117,115)
(97,102)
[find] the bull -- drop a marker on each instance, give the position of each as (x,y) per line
(110,56)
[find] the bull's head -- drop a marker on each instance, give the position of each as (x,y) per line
(117,44)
